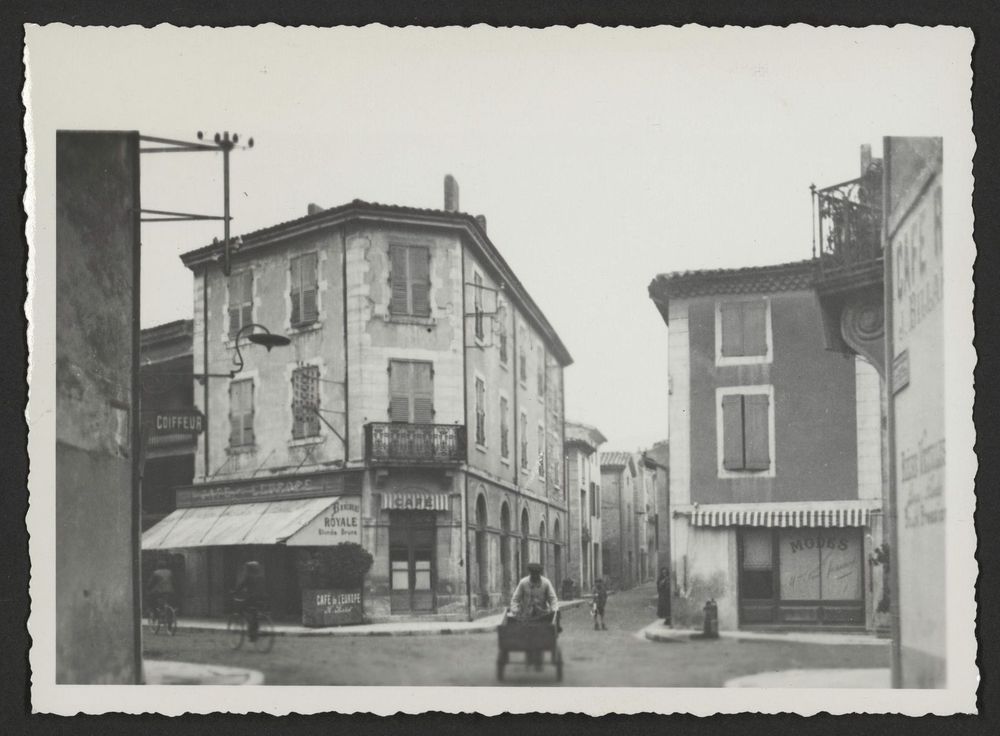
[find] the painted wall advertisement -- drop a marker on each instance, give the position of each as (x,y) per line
(915,280)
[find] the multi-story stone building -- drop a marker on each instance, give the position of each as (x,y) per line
(418,411)
(647,508)
(583,479)
(775,457)
(659,456)
(619,528)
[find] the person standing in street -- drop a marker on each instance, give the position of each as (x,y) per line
(663,596)
(600,599)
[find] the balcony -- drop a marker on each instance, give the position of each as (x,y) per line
(414,444)
(848,217)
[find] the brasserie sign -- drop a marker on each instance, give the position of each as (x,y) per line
(269,489)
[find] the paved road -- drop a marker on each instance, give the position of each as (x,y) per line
(617,657)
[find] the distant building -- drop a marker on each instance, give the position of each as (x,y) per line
(418,411)
(166,369)
(619,529)
(647,510)
(775,467)
(583,479)
(659,454)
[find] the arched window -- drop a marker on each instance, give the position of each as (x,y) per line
(505,573)
(482,552)
(543,543)
(524,542)
(481,519)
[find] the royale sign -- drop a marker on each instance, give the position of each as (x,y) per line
(339,523)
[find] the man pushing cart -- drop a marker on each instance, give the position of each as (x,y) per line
(531,624)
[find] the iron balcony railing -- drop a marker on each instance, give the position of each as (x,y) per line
(848,224)
(396,443)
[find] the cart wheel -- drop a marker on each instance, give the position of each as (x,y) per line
(500,668)
(559,665)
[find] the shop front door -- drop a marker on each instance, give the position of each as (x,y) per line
(412,561)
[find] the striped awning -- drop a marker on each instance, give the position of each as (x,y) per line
(784,515)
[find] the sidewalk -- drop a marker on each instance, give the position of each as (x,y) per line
(656,631)
(159,672)
(483,625)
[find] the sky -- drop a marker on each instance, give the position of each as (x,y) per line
(600,157)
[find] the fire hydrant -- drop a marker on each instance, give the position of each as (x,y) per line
(711,625)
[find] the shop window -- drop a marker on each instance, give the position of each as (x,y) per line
(305,402)
(743,329)
(411,391)
(410,279)
(820,564)
(757,565)
(240,301)
(305,289)
(746,427)
(241,413)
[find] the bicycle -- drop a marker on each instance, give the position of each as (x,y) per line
(164,616)
(248,622)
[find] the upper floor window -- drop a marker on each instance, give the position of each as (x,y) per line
(597,501)
(305,288)
(746,427)
(541,451)
(502,341)
(524,441)
(477,301)
(241,413)
(480,412)
(305,402)
(240,301)
(504,428)
(411,391)
(523,364)
(743,333)
(541,370)
(593,499)
(410,277)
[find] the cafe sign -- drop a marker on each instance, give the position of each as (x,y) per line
(332,607)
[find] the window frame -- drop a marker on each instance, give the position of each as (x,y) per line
(729,360)
(543,452)
(318,434)
(230,334)
(243,445)
(296,292)
(479,319)
(479,389)
(523,440)
(412,393)
(409,249)
(504,403)
(748,390)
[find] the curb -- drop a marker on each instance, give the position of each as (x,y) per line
(486,625)
(658,632)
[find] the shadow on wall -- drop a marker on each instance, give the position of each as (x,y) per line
(688,606)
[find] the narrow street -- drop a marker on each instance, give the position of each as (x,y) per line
(616,657)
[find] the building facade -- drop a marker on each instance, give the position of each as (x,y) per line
(775,456)
(659,456)
(619,527)
(418,412)
(583,479)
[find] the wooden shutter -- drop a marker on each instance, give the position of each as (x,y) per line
(755,428)
(504,429)
(241,413)
(423,393)
(420,281)
(732,432)
(295,269)
(399,391)
(755,328)
(247,312)
(235,415)
(731,324)
(310,287)
(398,278)
(235,302)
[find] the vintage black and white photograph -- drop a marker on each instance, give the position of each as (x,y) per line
(477,369)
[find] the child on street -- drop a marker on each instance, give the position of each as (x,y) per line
(600,598)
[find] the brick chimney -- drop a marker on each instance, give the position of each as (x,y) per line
(313,209)
(450,194)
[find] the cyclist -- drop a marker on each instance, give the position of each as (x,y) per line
(161,588)
(251,595)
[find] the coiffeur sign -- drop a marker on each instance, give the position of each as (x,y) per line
(339,523)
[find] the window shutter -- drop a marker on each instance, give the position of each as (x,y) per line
(420,281)
(423,393)
(310,287)
(755,423)
(755,328)
(295,272)
(398,279)
(732,432)
(235,303)
(399,391)
(732,329)
(235,417)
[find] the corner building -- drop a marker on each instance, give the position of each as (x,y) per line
(775,453)
(418,411)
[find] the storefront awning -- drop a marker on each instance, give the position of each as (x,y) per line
(829,514)
(241,523)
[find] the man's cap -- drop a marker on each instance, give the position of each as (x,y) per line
(534,567)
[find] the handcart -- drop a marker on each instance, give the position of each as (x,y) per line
(534,636)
